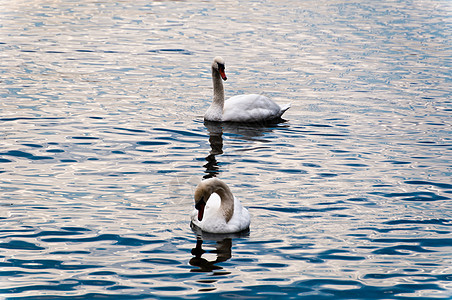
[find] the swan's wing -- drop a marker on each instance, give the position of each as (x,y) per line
(241,219)
(250,108)
(249,102)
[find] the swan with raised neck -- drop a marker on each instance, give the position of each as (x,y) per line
(241,108)
(215,111)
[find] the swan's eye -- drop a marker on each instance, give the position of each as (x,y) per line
(220,66)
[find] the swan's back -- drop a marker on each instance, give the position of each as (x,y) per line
(251,108)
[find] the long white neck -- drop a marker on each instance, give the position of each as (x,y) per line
(215,111)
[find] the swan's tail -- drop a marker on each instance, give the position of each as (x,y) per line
(284,108)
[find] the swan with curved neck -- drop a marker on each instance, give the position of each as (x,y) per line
(217,210)
(242,108)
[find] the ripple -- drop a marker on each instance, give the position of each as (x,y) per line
(119,240)
(181,132)
(327,175)
(84,138)
(55,151)
(415,196)
(152,143)
(431,221)
(433,242)
(45,233)
(175,51)
(28,118)
(331,289)
(130,130)
(103,143)
(421,182)
(44,264)
(331,254)
(20,245)
(416,277)
(88,296)
(298,210)
(33,145)
(161,261)
(401,250)
(22,154)
(65,285)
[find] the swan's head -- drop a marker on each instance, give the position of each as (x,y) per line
(218,65)
(204,190)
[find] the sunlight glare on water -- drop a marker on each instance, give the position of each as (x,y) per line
(103,143)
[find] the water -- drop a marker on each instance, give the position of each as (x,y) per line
(103,143)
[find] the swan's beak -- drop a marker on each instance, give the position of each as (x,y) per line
(200,207)
(223,74)
(201,212)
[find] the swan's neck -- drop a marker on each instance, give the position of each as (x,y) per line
(227,202)
(215,111)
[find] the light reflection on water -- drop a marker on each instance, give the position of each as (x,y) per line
(103,143)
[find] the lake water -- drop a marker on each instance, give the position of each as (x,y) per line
(103,143)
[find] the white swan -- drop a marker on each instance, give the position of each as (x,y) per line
(217,210)
(242,108)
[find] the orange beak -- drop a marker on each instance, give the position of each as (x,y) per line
(223,74)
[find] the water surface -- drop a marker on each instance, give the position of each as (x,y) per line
(103,143)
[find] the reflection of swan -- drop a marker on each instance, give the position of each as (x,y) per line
(217,210)
(223,252)
(245,131)
(242,108)
(216,145)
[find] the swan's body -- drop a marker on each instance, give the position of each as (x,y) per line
(217,210)
(242,108)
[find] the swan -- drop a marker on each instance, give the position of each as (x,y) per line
(241,108)
(217,210)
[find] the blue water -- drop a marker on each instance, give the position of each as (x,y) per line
(103,143)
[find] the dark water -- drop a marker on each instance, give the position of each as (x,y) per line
(103,143)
